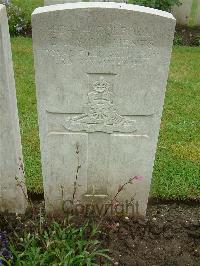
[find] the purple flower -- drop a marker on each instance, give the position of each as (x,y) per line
(4,248)
(137,177)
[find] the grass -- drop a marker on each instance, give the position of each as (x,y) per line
(53,243)
(24,78)
(28,5)
(177,166)
(59,246)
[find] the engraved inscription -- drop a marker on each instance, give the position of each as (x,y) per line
(114,44)
(101,34)
(101,114)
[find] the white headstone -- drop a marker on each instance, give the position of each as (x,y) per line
(101,73)
(12,188)
(197,22)
(182,12)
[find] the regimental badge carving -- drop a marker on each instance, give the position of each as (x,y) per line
(101,114)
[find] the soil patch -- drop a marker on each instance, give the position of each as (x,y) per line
(170,235)
(188,36)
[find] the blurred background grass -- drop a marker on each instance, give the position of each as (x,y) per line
(177,166)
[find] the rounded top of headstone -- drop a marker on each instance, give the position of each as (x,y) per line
(2,11)
(103,5)
(2,6)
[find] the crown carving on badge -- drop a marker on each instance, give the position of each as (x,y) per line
(101,85)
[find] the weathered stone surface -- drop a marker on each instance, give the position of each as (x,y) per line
(197,22)
(182,12)
(101,73)
(12,188)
